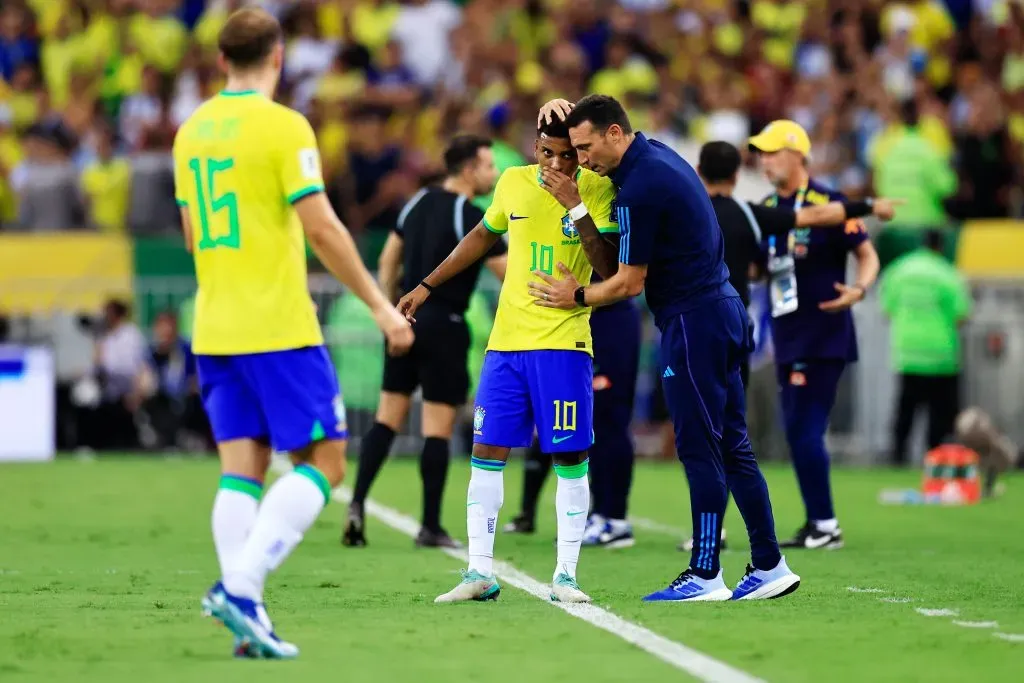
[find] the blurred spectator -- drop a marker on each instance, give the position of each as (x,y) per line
(422,28)
(106,184)
(174,410)
(47,182)
(373,191)
(120,367)
(927,301)
(908,167)
(17,48)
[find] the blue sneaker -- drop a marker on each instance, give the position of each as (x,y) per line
(758,584)
(596,525)
(241,648)
(249,621)
(689,587)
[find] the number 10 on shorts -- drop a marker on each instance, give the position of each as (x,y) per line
(565,416)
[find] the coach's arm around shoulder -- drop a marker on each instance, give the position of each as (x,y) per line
(470,249)
(336,249)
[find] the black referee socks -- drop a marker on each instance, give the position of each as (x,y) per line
(434,472)
(375,448)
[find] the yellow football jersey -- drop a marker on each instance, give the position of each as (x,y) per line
(240,162)
(540,235)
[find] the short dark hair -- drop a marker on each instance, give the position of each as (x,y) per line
(248,37)
(602,111)
(462,150)
(719,161)
(909,112)
(556,129)
(118,307)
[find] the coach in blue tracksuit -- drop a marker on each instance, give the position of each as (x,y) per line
(671,245)
(812,327)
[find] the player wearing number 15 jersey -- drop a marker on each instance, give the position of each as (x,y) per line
(537,373)
(247,179)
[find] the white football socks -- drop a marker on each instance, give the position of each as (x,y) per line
(483,501)
(290,507)
(234,512)
(572,503)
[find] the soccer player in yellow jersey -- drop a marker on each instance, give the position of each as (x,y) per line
(247,178)
(537,373)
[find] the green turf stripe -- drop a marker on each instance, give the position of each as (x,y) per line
(304,192)
(573,471)
(249,487)
(317,477)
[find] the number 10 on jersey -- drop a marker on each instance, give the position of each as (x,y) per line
(542,258)
(204,172)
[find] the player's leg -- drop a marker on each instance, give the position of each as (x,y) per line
(445,381)
(767,576)
(809,395)
(912,393)
(398,383)
(562,397)
(616,364)
(502,420)
(536,467)
(695,354)
(299,394)
(943,407)
(241,434)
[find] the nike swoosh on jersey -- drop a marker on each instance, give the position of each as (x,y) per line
(513,217)
(574,514)
(560,439)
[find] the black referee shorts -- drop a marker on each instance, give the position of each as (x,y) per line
(436,362)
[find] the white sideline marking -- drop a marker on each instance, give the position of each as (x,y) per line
(856,589)
(1011,637)
(675,654)
(941,612)
(656,527)
(897,601)
(977,624)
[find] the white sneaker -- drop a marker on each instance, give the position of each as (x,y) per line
(474,586)
(565,589)
(758,584)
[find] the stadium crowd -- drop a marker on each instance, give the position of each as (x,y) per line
(94,90)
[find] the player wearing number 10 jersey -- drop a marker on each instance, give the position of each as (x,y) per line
(247,179)
(537,373)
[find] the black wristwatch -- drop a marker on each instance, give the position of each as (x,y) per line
(579,296)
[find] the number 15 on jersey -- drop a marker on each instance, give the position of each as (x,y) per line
(205,173)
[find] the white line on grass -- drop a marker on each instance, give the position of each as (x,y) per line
(656,527)
(976,624)
(1011,637)
(857,589)
(941,612)
(681,657)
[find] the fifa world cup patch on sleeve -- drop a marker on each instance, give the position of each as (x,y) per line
(309,162)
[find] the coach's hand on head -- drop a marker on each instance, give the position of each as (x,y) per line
(552,107)
(555,293)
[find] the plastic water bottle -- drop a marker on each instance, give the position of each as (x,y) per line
(782,274)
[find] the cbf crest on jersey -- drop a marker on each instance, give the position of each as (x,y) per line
(478,420)
(569,228)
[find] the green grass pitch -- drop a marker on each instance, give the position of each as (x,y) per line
(102,565)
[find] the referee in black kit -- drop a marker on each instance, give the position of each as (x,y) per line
(427,230)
